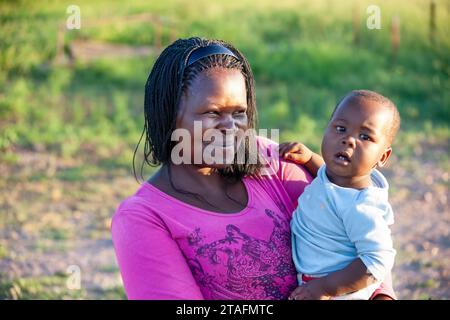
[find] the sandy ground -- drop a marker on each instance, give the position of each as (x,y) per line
(50,222)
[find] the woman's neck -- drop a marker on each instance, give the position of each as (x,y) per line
(193,175)
(202,187)
(189,177)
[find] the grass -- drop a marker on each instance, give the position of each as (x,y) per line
(303,59)
(42,288)
(429,284)
(114,293)
(109,269)
(3,252)
(302,55)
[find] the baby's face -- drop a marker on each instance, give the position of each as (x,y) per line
(356,139)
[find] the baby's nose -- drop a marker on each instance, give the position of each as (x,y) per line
(349,140)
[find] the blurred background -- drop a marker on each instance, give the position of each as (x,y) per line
(71,113)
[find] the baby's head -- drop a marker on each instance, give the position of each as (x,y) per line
(359,135)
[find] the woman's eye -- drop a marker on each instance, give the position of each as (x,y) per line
(340,129)
(240,113)
(211,113)
(364,136)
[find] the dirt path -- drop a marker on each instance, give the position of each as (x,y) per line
(56,214)
(421,232)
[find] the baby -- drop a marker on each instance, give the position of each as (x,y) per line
(342,246)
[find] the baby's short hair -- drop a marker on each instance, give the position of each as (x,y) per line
(376,97)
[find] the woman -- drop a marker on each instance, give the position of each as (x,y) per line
(207,227)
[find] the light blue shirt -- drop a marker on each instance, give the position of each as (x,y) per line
(333,225)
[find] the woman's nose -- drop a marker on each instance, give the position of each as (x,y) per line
(227,123)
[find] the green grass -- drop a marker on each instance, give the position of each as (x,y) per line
(109,269)
(54,287)
(3,252)
(42,288)
(429,284)
(301,53)
(114,293)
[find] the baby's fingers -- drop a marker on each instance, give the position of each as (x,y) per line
(285,147)
(298,158)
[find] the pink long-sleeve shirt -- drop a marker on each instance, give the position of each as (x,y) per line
(167,249)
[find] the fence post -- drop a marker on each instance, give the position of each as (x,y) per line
(432,20)
(60,57)
(173,33)
(356,23)
(158,31)
(395,37)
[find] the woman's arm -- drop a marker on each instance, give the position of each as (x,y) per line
(150,261)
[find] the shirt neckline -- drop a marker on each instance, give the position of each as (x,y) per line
(378,182)
(194,208)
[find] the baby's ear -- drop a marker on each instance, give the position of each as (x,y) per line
(384,157)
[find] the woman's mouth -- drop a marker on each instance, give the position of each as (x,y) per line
(222,144)
(220,141)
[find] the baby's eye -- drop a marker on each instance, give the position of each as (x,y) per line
(340,129)
(364,137)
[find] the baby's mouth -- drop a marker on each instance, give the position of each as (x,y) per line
(342,157)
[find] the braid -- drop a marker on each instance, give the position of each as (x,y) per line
(168,81)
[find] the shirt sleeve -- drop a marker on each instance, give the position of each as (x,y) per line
(367,229)
(294,178)
(150,261)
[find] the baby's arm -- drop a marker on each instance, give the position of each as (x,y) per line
(352,278)
(300,154)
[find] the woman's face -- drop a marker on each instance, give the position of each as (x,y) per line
(213,110)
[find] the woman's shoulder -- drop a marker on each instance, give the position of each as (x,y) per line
(143,213)
(268,156)
(265,142)
(273,165)
(139,206)
(283,180)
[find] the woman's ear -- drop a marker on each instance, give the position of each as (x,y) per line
(384,157)
(181,110)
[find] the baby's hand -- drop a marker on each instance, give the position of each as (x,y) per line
(312,290)
(296,152)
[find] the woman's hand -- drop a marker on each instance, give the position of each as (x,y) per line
(311,290)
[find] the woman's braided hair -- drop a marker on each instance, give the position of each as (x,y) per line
(168,81)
